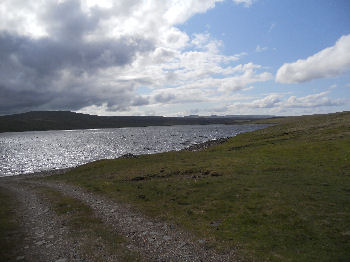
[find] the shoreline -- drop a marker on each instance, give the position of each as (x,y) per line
(38,174)
(59,171)
(192,148)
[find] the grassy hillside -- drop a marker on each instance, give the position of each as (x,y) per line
(64,120)
(280,194)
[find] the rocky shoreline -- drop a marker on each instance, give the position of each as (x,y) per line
(205,145)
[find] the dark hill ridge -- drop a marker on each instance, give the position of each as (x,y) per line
(66,120)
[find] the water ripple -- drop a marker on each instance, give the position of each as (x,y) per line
(29,152)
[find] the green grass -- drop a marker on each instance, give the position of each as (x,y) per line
(280,194)
(91,232)
(11,235)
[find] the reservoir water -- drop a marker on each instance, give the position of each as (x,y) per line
(29,152)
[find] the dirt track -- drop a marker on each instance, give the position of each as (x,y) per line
(47,238)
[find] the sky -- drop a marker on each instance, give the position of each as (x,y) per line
(175,57)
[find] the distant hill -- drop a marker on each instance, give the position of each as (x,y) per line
(66,120)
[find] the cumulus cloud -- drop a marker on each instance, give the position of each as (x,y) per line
(314,100)
(329,62)
(266,102)
(277,103)
(274,104)
(81,54)
(269,101)
(269,104)
(59,67)
(200,86)
(248,76)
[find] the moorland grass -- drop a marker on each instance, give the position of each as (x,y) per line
(280,194)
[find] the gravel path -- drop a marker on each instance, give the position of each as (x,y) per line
(46,237)
(152,239)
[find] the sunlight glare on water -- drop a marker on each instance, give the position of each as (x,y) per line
(29,152)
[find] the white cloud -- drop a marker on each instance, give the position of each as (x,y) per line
(241,81)
(314,100)
(260,49)
(329,62)
(270,104)
(246,3)
(281,103)
(95,56)
(266,102)
(269,101)
(118,17)
(196,84)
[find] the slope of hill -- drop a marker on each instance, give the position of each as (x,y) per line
(279,193)
(65,120)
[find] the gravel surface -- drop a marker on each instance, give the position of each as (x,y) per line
(154,240)
(46,237)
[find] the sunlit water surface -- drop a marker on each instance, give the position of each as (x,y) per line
(28,152)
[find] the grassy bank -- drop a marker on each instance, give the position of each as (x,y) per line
(280,194)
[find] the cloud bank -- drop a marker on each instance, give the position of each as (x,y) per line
(282,104)
(329,62)
(81,54)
